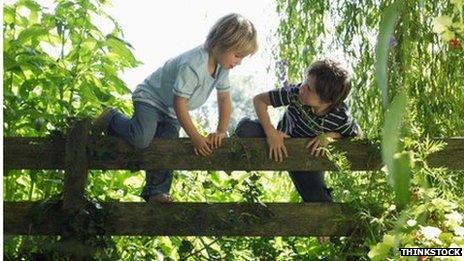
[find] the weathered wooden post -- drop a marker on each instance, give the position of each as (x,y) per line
(76,166)
(75,180)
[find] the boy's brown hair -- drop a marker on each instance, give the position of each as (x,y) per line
(333,83)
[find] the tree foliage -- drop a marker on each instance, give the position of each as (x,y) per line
(423,74)
(59,64)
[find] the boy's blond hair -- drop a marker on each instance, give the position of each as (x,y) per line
(232,32)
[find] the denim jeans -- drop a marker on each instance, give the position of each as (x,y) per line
(147,123)
(309,184)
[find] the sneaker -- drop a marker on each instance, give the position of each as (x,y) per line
(160,198)
(101,122)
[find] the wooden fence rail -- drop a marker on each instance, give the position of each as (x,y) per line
(77,153)
(109,153)
(194,219)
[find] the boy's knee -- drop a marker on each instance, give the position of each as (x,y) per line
(248,128)
(141,142)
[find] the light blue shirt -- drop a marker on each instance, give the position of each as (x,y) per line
(186,76)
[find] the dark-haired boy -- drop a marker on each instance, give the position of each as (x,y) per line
(315,110)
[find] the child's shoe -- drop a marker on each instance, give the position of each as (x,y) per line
(101,122)
(160,198)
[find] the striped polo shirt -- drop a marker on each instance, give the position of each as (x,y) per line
(300,121)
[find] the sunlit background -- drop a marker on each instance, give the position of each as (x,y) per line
(159,31)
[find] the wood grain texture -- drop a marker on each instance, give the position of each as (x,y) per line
(199,219)
(177,154)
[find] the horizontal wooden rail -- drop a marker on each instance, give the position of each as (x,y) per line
(199,219)
(177,154)
(33,153)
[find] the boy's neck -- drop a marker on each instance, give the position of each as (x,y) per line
(320,111)
(212,63)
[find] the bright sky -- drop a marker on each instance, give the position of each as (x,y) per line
(160,30)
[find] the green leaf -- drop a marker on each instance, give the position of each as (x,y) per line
(32,32)
(446,237)
(102,96)
(40,124)
(90,43)
(441,23)
(119,47)
(215,176)
(9,63)
(391,131)
(185,247)
(24,89)
(31,5)
(118,84)
(379,251)
(34,8)
(403,163)
(86,93)
(389,240)
(387,27)
(8,15)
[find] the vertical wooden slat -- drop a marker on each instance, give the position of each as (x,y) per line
(76,166)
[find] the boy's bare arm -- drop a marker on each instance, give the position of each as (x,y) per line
(336,135)
(199,141)
(275,138)
(180,107)
(225,107)
(333,135)
(261,102)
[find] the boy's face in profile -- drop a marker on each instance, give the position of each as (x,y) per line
(230,59)
(308,95)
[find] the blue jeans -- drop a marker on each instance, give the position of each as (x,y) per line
(309,184)
(147,123)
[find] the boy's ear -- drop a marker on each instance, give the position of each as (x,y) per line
(328,104)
